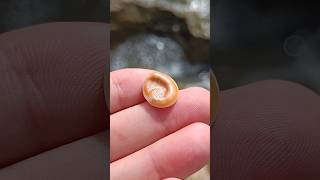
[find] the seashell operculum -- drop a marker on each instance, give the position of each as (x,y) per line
(160,90)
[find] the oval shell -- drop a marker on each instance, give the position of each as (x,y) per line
(160,90)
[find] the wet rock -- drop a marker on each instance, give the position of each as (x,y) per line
(160,53)
(195,12)
(150,51)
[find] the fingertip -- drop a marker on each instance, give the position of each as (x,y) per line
(199,136)
(197,100)
(190,152)
(126,87)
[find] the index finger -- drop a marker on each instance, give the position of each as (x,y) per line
(126,88)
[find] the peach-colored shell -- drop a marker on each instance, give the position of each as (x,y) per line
(160,90)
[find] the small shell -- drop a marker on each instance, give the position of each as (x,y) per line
(160,90)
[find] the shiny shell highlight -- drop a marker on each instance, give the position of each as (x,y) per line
(160,90)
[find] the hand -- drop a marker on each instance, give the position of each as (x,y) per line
(148,143)
(267,130)
(51,94)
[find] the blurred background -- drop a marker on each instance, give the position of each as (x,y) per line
(21,13)
(267,39)
(171,36)
(166,35)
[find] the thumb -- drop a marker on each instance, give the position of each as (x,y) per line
(51,89)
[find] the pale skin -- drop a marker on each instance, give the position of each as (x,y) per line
(152,143)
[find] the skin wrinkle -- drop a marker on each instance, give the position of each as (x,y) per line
(162,131)
(280,132)
(21,79)
(193,102)
(120,95)
(119,136)
(35,117)
(134,89)
(21,73)
(198,139)
(154,163)
(49,84)
(197,151)
(161,117)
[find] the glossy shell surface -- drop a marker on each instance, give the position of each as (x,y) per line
(160,90)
